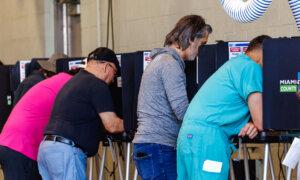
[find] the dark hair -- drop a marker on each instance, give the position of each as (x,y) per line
(47,73)
(104,54)
(257,42)
(32,66)
(186,29)
(1,63)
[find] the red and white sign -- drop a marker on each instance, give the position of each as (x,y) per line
(237,48)
(76,64)
(22,69)
(146,58)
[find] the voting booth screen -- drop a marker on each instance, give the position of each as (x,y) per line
(191,78)
(116,92)
(210,58)
(281,72)
(18,74)
(5,94)
(206,63)
(131,73)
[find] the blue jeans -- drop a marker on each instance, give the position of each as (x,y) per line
(57,161)
(155,161)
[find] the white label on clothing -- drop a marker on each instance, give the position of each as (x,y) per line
(212,166)
(293,155)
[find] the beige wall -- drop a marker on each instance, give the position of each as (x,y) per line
(75,36)
(138,24)
(143,24)
(21,32)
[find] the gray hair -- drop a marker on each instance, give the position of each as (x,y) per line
(186,29)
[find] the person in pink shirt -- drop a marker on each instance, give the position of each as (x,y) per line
(23,131)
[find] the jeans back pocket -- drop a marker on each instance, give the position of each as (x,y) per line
(144,156)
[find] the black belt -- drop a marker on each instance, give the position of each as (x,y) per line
(60,139)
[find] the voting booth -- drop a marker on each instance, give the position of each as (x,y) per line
(5,94)
(211,57)
(10,77)
(18,73)
(281,82)
(132,68)
(281,77)
(191,78)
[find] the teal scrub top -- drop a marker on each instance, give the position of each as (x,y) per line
(222,100)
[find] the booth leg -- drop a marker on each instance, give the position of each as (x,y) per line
(298,170)
(286,149)
(91,168)
(246,163)
(271,164)
(102,163)
(119,164)
(232,176)
(128,161)
(266,157)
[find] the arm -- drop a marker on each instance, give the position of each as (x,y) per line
(174,83)
(112,122)
(249,129)
(255,107)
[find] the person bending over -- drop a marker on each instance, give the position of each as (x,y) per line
(82,111)
(220,109)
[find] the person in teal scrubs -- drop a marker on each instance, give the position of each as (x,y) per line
(220,109)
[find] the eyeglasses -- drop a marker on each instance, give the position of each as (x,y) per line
(115,70)
(108,64)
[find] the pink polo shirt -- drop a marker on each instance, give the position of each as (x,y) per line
(24,128)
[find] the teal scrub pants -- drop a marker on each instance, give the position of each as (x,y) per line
(203,153)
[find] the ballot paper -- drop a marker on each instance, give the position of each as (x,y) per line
(293,156)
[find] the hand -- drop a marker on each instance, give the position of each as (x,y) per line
(250,130)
